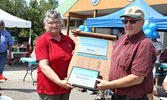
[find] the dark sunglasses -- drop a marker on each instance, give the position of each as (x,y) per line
(130,21)
(1,24)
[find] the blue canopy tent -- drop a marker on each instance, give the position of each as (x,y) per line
(113,20)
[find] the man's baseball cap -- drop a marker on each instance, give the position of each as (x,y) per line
(133,12)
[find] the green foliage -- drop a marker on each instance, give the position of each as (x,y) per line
(5,4)
(34,12)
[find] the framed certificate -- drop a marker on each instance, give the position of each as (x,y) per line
(93,46)
(84,78)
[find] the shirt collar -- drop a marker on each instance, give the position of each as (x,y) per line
(134,38)
(3,33)
(51,38)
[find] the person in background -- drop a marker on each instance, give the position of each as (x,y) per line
(6,43)
(120,33)
(163,56)
(160,91)
(133,57)
(20,44)
(16,59)
(158,46)
(29,48)
(53,53)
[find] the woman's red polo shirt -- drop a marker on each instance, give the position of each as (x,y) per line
(59,55)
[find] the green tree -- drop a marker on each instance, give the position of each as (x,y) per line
(5,5)
(34,12)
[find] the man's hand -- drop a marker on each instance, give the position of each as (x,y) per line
(9,57)
(102,84)
(77,30)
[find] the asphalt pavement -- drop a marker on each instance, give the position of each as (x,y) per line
(16,89)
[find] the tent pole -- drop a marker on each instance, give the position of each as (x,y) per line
(68,25)
(29,41)
(94,15)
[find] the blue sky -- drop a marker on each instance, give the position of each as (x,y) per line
(60,1)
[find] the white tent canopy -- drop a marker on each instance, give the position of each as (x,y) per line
(13,21)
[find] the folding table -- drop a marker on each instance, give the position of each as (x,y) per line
(18,54)
(31,65)
(164,66)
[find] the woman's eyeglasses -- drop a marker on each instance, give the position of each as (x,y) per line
(130,21)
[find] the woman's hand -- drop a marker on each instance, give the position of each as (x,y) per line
(65,84)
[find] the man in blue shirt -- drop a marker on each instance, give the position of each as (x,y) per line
(6,43)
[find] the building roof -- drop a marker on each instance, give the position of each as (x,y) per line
(65,6)
(84,9)
(151,15)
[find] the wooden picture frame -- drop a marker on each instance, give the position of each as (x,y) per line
(100,63)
